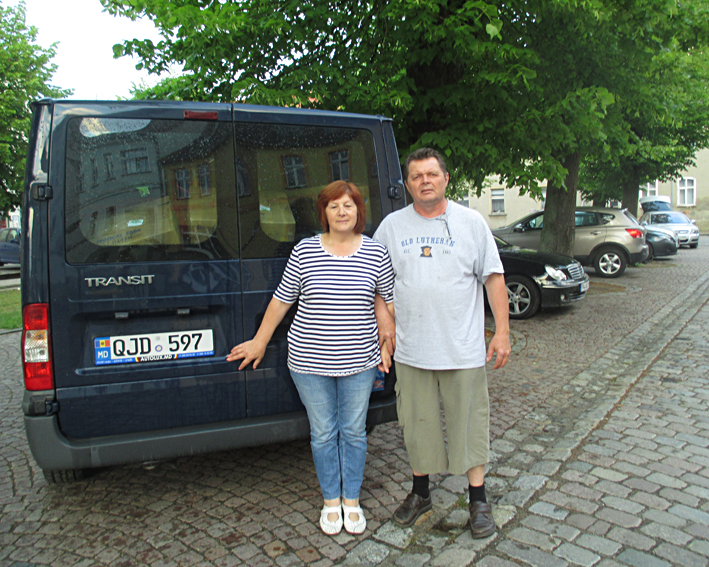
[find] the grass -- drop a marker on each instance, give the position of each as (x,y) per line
(10,309)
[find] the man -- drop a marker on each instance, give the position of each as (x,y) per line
(443,254)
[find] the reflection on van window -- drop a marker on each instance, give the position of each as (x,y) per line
(165,190)
(158,190)
(284,168)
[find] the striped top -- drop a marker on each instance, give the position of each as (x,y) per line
(334,332)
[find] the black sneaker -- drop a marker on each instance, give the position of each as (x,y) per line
(411,508)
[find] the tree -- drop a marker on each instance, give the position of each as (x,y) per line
(524,89)
(25,72)
(664,134)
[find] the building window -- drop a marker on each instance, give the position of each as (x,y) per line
(687,193)
(94,172)
(205,179)
(340,165)
(294,169)
(182,182)
(111,219)
(498,201)
(648,190)
(135,161)
(110,171)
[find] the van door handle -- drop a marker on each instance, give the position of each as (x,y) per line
(41,191)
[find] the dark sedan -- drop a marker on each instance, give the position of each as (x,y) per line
(660,242)
(537,279)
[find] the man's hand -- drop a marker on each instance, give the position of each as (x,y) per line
(386,326)
(499,304)
(501,347)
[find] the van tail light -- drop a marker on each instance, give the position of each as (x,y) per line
(36,352)
(635,232)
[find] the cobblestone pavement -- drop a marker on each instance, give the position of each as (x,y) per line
(600,457)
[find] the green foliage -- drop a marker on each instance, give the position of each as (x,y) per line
(25,73)
(10,309)
(666,125)
(511,88)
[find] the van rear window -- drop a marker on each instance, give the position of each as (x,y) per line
(140,190)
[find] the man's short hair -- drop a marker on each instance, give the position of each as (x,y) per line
(422,154)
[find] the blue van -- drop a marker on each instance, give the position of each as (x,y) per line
(154,234)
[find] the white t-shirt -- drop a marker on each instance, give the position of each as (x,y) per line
(441,265)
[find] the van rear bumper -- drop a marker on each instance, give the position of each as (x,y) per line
(53,451)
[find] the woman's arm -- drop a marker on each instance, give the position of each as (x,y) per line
(255,349)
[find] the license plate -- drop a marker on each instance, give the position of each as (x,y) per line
(153,347)
(585,286)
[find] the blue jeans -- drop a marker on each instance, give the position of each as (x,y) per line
(337,411)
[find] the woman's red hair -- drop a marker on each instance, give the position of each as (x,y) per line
(334,191)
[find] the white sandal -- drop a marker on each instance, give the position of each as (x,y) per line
(328,527)
(354,527)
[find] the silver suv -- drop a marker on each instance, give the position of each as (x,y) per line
(607,239)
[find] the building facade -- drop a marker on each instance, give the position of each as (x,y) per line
(688,193)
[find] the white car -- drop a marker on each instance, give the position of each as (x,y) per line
(685,229)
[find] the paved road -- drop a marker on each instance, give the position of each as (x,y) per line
(601,457)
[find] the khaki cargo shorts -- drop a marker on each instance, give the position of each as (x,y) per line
(467,418)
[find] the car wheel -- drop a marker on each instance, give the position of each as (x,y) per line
(523,296)
(63,477)
(694,245)
(610,263)
(650,253)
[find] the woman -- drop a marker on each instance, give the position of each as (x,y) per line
(333,351)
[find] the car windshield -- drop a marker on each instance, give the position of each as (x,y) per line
(670,217)
(501,243)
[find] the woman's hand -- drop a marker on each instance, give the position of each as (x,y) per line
(385,364)
(250,350)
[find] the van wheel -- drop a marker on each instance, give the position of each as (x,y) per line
(691,245)
(523,297)
(610,263)
(63,477)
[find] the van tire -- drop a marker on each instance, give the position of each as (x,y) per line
(63,477)
(610,262)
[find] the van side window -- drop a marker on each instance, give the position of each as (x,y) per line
(169,195)
(282,168)
(192,190)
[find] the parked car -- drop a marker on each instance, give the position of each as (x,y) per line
(607,239)
(537,279)
(655,203)
(660,242)
(685,229)
(9,246)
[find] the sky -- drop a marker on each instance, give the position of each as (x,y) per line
(86,35)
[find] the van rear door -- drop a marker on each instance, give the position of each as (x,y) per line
(284,159)
(145,277)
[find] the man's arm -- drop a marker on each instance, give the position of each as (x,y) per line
(499,304)
(384,312)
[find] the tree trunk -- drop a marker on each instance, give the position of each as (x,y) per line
(559,226)
(631,191)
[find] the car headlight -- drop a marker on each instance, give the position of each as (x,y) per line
(555,274)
